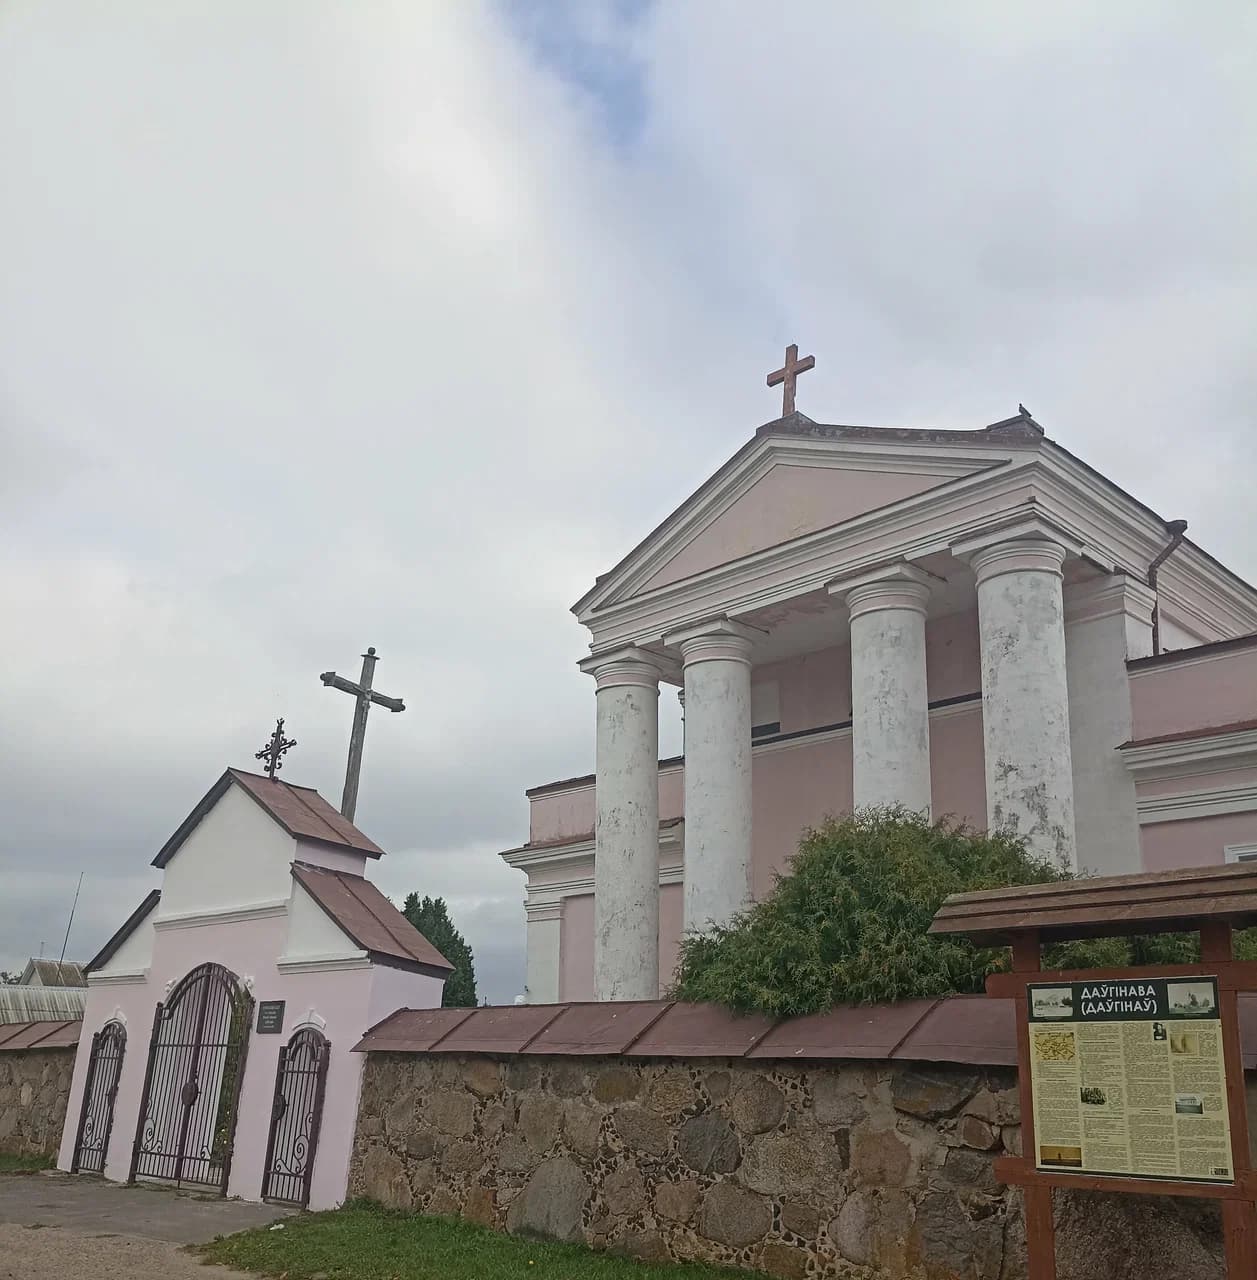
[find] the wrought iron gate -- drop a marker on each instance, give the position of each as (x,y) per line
(296,1114)
(187,1120)
(104,1067)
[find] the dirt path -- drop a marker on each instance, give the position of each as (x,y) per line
(57,1227)
(54,1253)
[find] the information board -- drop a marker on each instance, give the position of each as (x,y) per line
(270,1016)
(1129,1079)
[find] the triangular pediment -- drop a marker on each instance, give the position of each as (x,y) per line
(794,479)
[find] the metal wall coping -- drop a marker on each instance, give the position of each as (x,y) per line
(965,1030)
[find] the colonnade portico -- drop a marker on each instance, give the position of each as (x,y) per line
(1029,780)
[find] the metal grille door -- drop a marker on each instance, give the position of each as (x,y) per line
(296,1114)
(104,1067)
(196,1062)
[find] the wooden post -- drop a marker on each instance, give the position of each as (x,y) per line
(1239,1218)
(1040,1228)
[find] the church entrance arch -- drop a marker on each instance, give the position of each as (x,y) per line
(196,1058)
(104,1066)
(296,1114)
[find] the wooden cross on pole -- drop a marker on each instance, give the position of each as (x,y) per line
(365,696)
(274,750)
(788,374)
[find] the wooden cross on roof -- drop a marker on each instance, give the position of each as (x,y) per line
(788,374)
(274,750)
(364,696)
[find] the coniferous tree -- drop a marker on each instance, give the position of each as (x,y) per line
(432,918)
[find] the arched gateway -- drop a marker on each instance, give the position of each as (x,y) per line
(187,1118)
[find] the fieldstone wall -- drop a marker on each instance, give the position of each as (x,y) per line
(848,1170)
(34,1090)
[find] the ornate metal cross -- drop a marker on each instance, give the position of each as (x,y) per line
(788,374)
(365,696)
(274,749)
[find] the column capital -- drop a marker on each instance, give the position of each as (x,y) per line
(1107,596)
(714,639)
(627,666)
(898,585)
(1032,545)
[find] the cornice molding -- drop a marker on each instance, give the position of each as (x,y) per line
(330,963)
(1188,757)
(222,915)
(118,978)
(1106,597)
(545,901)
(1211,803)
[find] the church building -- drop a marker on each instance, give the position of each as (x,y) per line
(965,622)
(217,1038)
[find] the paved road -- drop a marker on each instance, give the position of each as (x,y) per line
(57,1227)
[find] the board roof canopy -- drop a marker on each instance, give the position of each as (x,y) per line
(1105,907)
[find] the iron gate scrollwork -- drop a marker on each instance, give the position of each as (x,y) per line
(100,1089)
(296,1115)
(187,1119)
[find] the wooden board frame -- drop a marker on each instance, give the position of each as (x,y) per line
(1239,1201)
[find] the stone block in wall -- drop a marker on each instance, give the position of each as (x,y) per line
(931,1094)
(706,1143)
(552,1203)
(677,1201)
(642,1130)
(757,1105)
(733,1216)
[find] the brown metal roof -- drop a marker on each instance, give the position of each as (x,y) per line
(301,811)
(1197,650)
(852,1031)
(607,1028)
(1106,906)
(1187,735)
(504,1029)
(966,1030)
(39,1035)
(371,920)
(414,1030)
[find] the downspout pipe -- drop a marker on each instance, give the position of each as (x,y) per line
(1176,529)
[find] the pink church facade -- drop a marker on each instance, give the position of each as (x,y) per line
(958,621)
(264,893)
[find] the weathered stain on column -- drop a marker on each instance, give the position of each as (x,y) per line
(890,715)
(717,770)
(1025,696)
(626,837)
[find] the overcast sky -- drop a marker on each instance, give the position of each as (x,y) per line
(326,325)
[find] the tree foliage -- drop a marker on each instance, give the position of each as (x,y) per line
(847,924)
(432,918)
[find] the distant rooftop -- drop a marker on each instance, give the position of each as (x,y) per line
(52,973)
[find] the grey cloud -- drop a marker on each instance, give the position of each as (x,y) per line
(324,326)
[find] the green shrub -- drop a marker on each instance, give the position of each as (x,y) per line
(847,924)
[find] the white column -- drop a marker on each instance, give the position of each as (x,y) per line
(1025,693)
(626,836)
(890,713)
(717,667)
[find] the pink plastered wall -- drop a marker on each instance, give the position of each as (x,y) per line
(1195,842)
(348,1000)
(576,942)
(1195,692)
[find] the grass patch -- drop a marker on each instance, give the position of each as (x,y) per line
(24,1164)
(363,1241)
